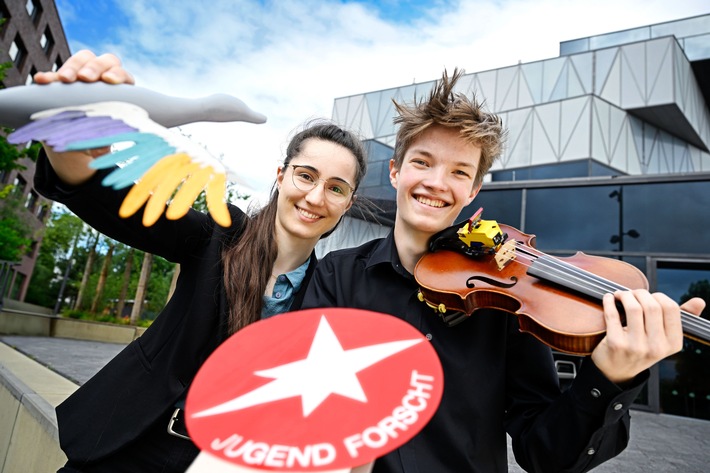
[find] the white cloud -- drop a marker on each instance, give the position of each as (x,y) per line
(290,59)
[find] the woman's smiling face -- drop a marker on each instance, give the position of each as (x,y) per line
(308,214)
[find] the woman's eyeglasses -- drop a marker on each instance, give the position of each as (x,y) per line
(306,179)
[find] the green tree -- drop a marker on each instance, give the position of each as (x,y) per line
(14,230)
(62,231)
(15,233)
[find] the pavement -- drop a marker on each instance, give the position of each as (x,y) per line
(659,442)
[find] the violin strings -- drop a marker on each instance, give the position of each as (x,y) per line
(590,283)
(594,282)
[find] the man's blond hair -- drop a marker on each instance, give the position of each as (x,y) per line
(452,110)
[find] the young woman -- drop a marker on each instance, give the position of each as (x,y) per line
(128,417)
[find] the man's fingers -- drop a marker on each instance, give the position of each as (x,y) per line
(664,324)
(695,306)
(611,315)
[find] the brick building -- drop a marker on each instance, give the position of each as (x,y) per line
(31,39)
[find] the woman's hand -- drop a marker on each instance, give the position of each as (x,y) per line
(85,66)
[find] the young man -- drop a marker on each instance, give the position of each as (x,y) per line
(496,379)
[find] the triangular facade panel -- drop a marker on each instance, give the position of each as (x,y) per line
(633,75)
(583,67)
(532,77)
(551,75)
(487,88)
(353,113)
(660,70)
(611,89)
(602,139)
(507,96)
(604,61)
(633,148)
(575,129)
(559,91)
(575,86)
(545,134)
(525,97)
(549,116)
(598,144)
(518,149)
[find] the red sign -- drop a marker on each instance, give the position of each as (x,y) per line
(314,390)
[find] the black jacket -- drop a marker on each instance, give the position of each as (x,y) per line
(145,380)
(497,380)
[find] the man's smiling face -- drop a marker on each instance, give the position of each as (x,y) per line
(435,181)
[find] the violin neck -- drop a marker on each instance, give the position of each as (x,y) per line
(553,270)
(695,327)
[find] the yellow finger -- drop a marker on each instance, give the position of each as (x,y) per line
(162,193)
(188,192)
(215,196)
(141,191)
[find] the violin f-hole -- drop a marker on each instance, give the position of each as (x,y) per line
(470,282)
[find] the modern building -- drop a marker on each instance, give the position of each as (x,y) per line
(608,154)
(31,40)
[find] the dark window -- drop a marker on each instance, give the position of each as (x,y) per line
(572,218)
(31,201)
(18,52)
(34,10)
(47,41)
(31,75)
(20,185)
(4,18)
(376,183)
(582,168)
(42,211)
(670,217)
(503,206)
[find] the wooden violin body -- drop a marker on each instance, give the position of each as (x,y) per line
(558,300)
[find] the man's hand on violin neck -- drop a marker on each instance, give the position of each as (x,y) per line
(695,306)
(653,331)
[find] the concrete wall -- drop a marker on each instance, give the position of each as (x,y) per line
(29,392)
(17,322)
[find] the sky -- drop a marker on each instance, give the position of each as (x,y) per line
(289,59)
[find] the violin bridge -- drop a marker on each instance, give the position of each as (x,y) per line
(505,254)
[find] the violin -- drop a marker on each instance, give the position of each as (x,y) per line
(483,264)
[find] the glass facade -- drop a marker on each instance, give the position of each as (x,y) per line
(691,33)
(637,109)
(684,379)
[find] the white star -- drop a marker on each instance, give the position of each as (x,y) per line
(328,369)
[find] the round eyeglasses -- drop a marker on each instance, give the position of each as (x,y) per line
(306,179)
